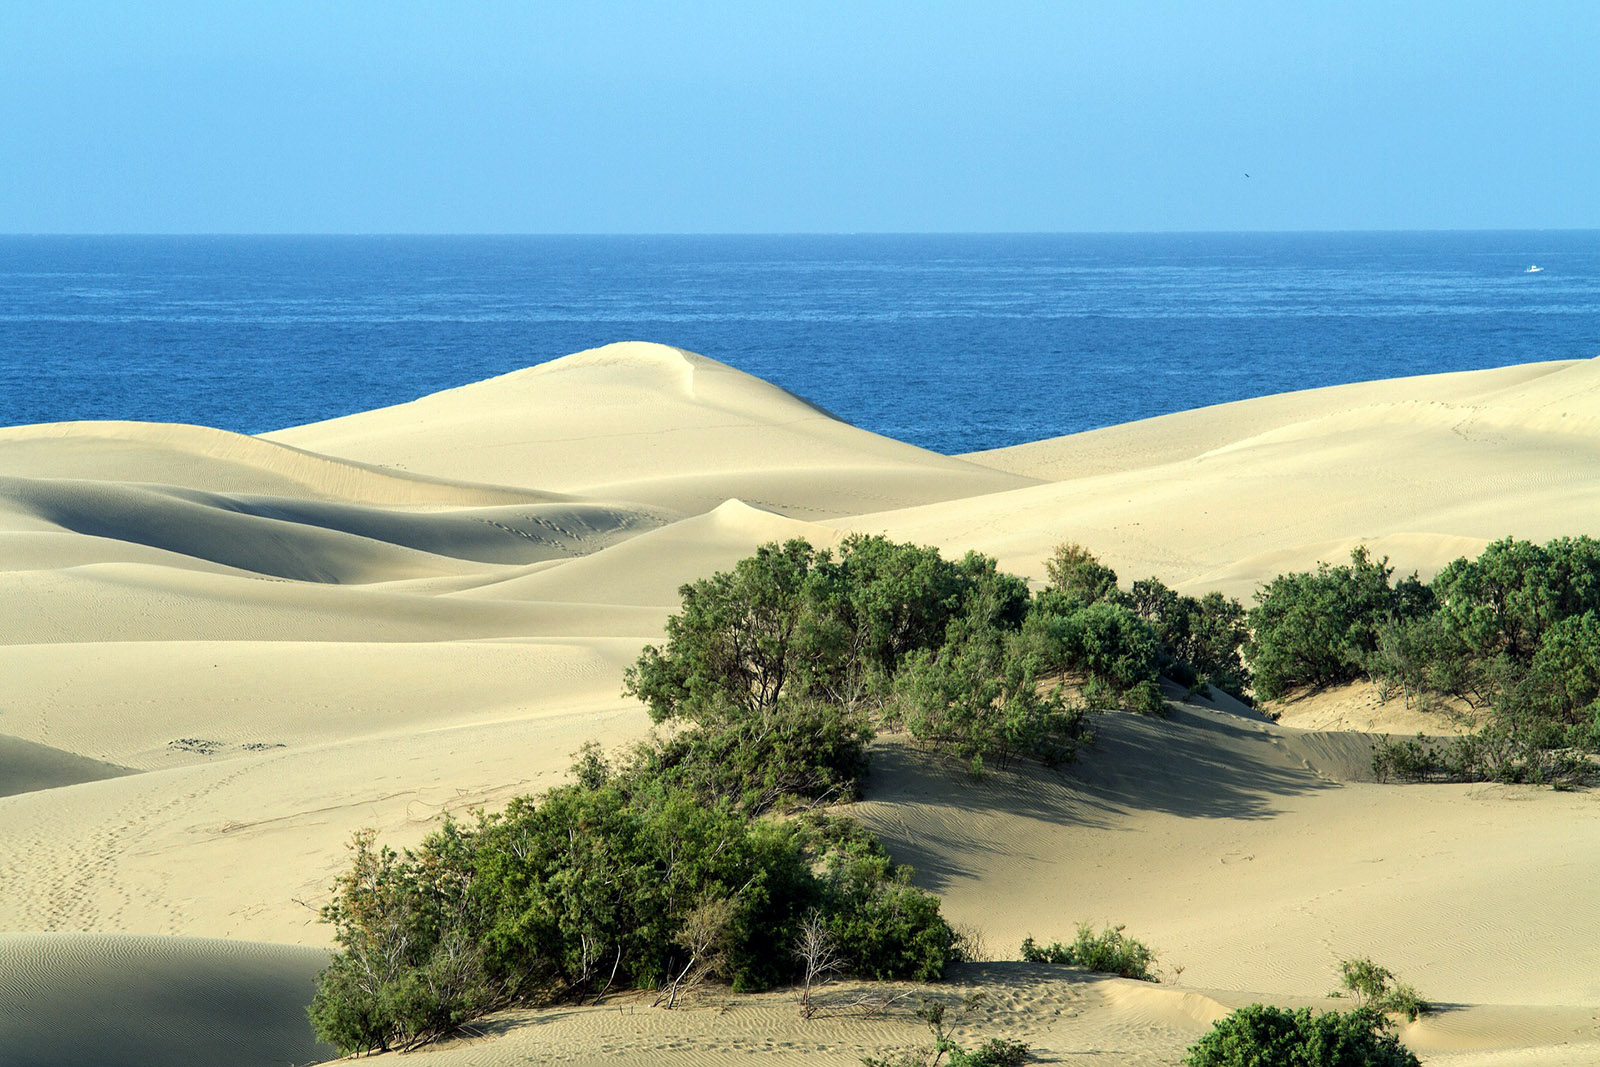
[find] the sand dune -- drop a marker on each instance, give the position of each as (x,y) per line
(1236,848)
(1424,469)
(649,569)
(647,422)
(221,655)
(198,457)
(179,1002)
(318,541)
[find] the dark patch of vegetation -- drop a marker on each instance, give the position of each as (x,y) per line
(1513,635)
(622,879)
(1264,1036)
(1492,754)
(1321,628)
(881,628)
(1201,638)
(1124,643)
(1108,952)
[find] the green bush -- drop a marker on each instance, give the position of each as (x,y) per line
(1124,642)
(1319,629)
(1260,1036)
(740,642)
(1116,652)
(1493,754)
(408,967)
(796,750)
(1514,591)
(795,622)
(1200,638)
(1108,952)
(978,696)
(1418,759)
(1077,578)
(623,878)
(885,926)
(995,1052)
(1377,989)
(591,886)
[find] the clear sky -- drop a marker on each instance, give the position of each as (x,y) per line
(179,116)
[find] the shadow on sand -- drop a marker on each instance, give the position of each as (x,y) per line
(1192,764)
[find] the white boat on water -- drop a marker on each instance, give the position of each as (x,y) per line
(1535,269)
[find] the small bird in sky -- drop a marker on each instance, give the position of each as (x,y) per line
(1247,175)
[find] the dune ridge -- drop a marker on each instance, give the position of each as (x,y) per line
(654,424)
(221,655)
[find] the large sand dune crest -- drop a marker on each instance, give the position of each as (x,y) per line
(648,422)
(221,655)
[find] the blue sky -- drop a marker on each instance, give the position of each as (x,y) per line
(356,117)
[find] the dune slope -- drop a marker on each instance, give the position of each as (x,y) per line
(1423,469)
(174,1001)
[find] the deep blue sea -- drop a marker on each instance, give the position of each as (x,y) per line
(955,343)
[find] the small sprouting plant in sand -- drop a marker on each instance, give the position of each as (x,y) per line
(995,1052)
(1108,952)
(1376,989)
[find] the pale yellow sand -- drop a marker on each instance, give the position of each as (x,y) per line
(423,609)
(1422,469)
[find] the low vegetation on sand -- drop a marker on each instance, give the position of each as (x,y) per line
(959,653)
(706,853)
(622,879)
(1513,635)
(1376,988)
(703,854)
(1265,1036)
(943,1051)
(1262,1036)
(1108,952)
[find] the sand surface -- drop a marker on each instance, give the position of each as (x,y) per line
(220,655)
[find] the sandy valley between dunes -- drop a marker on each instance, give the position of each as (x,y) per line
(220,655)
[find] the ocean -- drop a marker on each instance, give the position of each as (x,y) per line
(952,342)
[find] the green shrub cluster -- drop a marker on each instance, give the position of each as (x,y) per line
(958,652)
(1123,643)
(656,871)
(669,865)
(1321,628)
(1514,634)
(1201,638)
(1108,952)
(1263,1036)
(886,628)
(1492,754)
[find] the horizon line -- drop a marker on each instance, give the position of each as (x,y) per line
(785,233)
